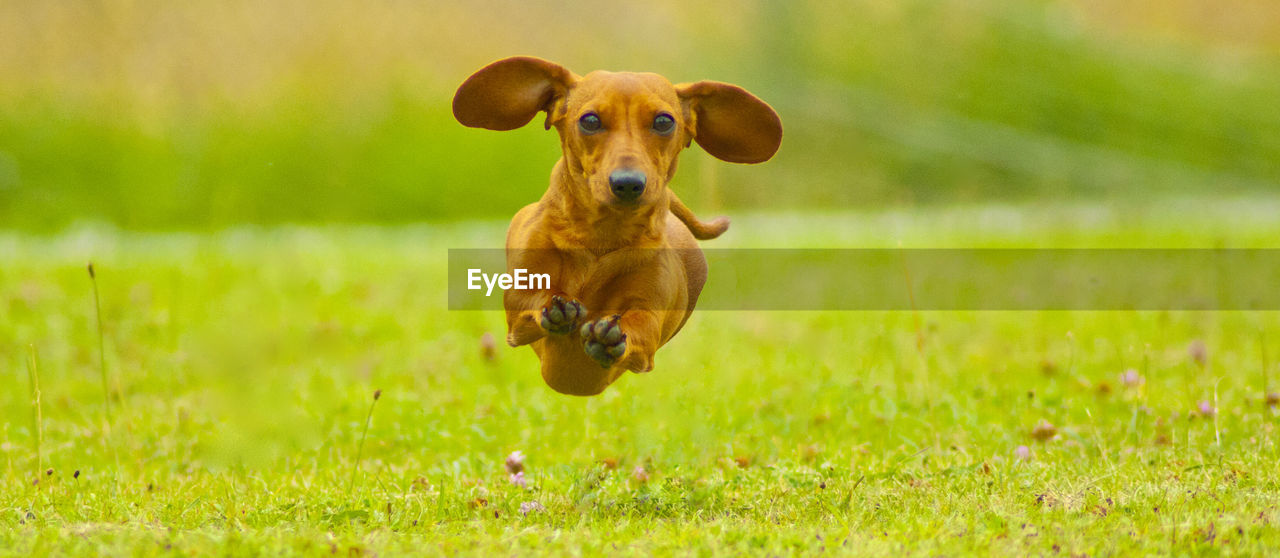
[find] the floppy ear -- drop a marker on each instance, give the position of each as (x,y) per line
(730,123)
(506,94)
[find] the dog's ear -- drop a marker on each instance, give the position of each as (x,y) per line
(729,122)
(506,94)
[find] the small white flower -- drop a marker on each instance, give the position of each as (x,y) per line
(1206,409)
(515,462)
(639,474)
(533,506)
(1131,378)
(1022,452)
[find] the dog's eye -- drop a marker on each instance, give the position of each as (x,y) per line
(590,123)
(664,124)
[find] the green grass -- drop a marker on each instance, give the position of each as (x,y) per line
(242,366)
(196,115)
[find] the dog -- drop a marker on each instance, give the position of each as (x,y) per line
(624,276)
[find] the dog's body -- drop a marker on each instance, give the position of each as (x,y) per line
(625,276)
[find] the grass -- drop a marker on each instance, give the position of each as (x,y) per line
(245,363)
(160,115)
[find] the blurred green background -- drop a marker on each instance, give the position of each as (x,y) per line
(196,115)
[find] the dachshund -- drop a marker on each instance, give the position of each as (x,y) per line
(624,276)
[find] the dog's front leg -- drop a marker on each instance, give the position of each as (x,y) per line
(532,315)
(626,340)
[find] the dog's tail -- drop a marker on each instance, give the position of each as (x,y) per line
(700,230)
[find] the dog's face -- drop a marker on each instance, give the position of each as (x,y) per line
(620,132)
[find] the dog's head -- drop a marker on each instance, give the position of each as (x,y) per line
(620,132)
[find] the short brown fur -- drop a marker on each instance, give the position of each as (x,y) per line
(606,256)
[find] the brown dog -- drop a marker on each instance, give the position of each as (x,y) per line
(624,277)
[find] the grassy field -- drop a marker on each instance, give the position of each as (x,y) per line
(242,368)
(274,372)
(202,115)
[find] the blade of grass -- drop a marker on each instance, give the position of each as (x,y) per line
(102,349)
(33,372)
(106,390)
(355,469)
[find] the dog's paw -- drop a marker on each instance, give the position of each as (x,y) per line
(560,316)
(603,340)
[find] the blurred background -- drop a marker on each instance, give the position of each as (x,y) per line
(199,115)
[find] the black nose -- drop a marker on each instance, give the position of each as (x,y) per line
(627,184)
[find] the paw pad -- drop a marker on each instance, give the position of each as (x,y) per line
(603,340)
(560,315)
